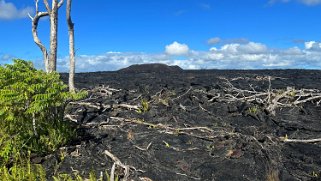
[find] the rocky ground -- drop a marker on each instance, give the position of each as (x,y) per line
(166,124)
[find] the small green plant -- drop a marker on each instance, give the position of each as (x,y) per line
(166,144)
(144,106)
(210,147)
(254,110)
(92,175)
(62,155)
(22,169)
(292,94)
(77,177)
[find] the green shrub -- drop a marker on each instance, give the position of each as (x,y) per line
(31,110)
(22,170)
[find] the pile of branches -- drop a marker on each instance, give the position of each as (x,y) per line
(271,99)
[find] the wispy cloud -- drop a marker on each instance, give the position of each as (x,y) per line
(298,41)
(251,55)
(216,40)
(205,6)
(5,58)
(236,40)
(305,2)
(180,12)
(8,11)
(310,2)
(213,41)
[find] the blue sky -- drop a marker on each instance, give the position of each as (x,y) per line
(194,34)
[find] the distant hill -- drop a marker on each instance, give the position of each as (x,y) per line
(150,68)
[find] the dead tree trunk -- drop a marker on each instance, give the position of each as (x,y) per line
(53,14)
(71,48)
(51,59)
(53,36)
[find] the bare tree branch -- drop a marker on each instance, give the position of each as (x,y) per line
(61,2)
(35,21)
(119,163)
(47,6)
(272,98)
(301,140)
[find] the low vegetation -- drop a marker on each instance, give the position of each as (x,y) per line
(32,106)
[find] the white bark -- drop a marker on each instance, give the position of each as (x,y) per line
(53,35)
(34,125)
(71,47)
(51,59)
(35,21)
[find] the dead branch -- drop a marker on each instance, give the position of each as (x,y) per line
(144,149)
(127,106)
(35,21)
(117,162)
(68,116)
(61,2)
(47,5)
(272,98)
(182,94)
(183,174)
(205,110)
(257,78)
(182,107)
(165,127)
(210,134)
(106,106)
(88,104)
(52,13)
(104,91)
(301,141)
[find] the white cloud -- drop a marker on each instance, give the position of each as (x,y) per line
(253,48)
(216,56)
(177,49)
(292,51)
(110,61)
(258,55)
(312,45)
(250,48)
(230,48)
(9,11)
(251,55)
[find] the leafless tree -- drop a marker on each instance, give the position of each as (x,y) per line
(71,47)
(51,59)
